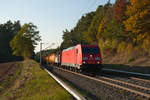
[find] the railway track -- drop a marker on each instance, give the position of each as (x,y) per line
(138,91)
(130,86)
(132,80)
(74,93)
(139,79)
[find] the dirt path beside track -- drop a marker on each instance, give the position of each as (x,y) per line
(5,68)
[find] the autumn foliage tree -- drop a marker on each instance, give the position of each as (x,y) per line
(122,27)
(77,34)
(119,10)
(139,19)
(139,23)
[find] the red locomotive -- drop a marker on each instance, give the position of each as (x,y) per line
(80,58)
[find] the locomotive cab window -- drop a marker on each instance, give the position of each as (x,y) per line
(90,50)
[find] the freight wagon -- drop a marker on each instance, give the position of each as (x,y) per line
(50,59)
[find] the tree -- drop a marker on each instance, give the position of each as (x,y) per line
(76,35)
(91,34)
(7,31)
(23,44)
(119,10)
(139,19)
(103,26)
(67,40)
(81,27)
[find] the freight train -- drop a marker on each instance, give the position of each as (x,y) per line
(80,58)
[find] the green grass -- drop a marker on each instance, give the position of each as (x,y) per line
(38,85)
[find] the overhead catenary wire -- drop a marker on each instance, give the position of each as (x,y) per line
(49,46)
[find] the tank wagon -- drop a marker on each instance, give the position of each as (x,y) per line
(50,59)
(79,58)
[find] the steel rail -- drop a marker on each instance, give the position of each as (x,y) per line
(110,84)
(139,79)
(74,93)
(129,84)
(132,73)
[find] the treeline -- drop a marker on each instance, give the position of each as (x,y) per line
(16,41)
(122,27)
(7,31)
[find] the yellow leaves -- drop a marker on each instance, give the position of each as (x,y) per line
(105,44)
(141,37)
(139,19)
(144,13)
(129,48)
(138,25)
(132,8)
(102,25)
(114,44)
(130,23)
(138,6)
(108,43)
(122,47)
(134,40)
(133,2)
(146,43)
(100,29)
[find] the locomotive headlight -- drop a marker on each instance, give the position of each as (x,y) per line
(97,58)
(84,62)
(98,62)
(84,58)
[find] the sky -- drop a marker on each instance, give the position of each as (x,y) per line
(50,16)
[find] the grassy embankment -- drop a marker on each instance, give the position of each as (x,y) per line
(33,83)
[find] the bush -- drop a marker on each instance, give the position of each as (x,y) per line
(107,44)
(114,44)
(129,49)
(146,45)
(134,52)
(130,59)
(121,47)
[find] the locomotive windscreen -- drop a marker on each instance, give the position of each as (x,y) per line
(90,50)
